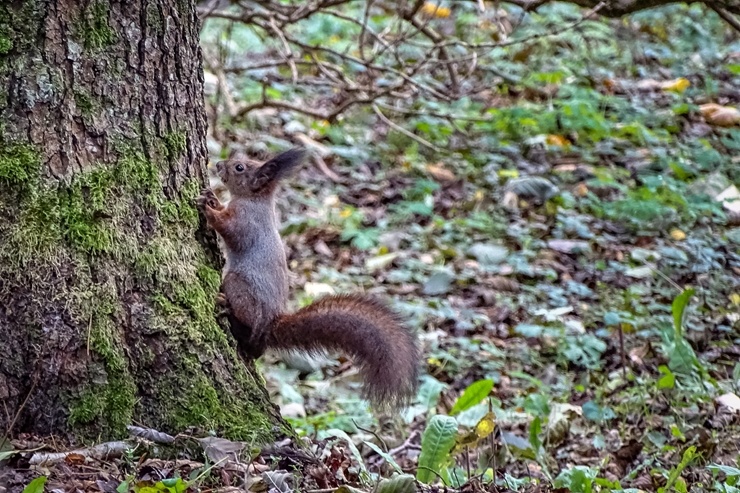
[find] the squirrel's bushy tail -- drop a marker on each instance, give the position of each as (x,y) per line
(366,329)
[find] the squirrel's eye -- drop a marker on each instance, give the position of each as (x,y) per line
(239,167)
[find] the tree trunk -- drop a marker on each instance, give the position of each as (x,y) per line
(106,295)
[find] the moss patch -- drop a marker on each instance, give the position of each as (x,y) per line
(110,402)
(137,291)
(175,143)
(93,27)
(19,163)
(6,43)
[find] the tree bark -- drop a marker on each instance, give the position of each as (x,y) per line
(106,280)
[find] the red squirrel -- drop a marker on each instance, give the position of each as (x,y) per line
(254,289)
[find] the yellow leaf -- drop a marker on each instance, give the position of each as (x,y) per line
(346,212)
(485,426)
(508,173)
(557,140)
(435,10)
(735,298)
(678,235)
(678,85)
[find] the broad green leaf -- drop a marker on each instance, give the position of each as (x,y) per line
(430,390)
(36,486)
(579,479)
(678,307)
(436,443)
(682,358)
(400,483)
(474,394)
(123,487)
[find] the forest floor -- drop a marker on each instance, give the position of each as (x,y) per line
(568,253)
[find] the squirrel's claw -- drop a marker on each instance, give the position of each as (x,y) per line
(207,198)
(223,307)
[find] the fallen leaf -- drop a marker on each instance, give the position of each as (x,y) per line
(317,289)
(568,246)
(677,85)
(218,449)
(380,262)
(730,199)
(722,116)
(74,459)
(677,234)
(557,140)
(730,401)
(639,272)
(438,283)
(433,10)
(532,187)
(488,253)
(440,173)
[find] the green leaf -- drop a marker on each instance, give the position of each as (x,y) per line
(123,487)
(436,443)
(474,394)
(579,479)
(678,307)
(681,358)
(729,471)
(6,454)
(668,380)
(675,474)
(36,486)
(388,458)
(401,483)
(534,433)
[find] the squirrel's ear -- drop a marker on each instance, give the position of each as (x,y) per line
(277,167)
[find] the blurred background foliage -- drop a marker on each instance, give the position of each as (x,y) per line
(533,185)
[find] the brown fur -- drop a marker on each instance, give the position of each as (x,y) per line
(365,328)
(255,285)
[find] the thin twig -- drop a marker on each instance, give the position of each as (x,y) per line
(408,134)
(727,16)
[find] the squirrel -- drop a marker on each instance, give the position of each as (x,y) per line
(254,289)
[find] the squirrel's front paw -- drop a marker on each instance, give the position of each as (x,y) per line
(223,307)
(208,199)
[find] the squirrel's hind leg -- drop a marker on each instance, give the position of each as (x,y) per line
(249,324)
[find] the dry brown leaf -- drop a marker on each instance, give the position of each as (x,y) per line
(440,173)
(722,116)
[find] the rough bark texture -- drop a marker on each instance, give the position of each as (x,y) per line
(106,296)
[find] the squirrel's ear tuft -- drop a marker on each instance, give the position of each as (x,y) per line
(278,167)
